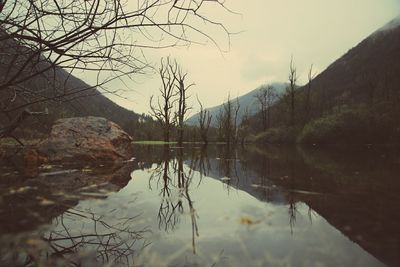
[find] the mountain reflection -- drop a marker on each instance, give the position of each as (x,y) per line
(355,190)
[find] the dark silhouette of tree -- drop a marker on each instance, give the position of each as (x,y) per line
(162,110)
(266,97)
(291,92)
(244,127)
(228,121)
(307,101)
(173,92)
(183,107)
(204,122)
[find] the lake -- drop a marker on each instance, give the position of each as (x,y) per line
(207,206)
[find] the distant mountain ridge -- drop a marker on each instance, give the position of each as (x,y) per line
(247,101)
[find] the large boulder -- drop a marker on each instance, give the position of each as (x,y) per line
(86,140)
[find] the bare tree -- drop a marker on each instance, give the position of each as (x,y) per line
(162,110)
(266,97)
(228,121)
(183,108)
(244,126)
(204,122)
(172,78)
(236,123)
(291,91)
(307,101)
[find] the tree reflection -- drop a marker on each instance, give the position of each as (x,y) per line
(112,241)
(167,216)
(78,236)
(201,162)
(227,166)
(185,178)
(174,180)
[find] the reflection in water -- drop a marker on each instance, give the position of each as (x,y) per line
(64,234)
(108,242)
(356,190)
(77,236)
(211,206)
(170,175)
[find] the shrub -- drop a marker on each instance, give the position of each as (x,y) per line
(350,126)
(283,135)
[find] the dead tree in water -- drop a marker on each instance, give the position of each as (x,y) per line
(291,92)
(162,110)
(266,97)
(183,108)
(204,122)
(228,121)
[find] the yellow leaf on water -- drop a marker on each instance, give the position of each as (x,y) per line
(248,221)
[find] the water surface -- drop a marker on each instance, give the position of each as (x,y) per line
(215,206)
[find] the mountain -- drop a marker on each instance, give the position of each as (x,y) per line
(54,89)
(247,101)
(365,67)
(355,100)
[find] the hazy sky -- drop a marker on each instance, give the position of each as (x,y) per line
(313,31)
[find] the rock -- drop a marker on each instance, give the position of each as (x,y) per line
(86,140)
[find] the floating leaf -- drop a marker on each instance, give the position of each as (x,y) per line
(245,220)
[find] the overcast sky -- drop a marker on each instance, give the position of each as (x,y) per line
(313,31)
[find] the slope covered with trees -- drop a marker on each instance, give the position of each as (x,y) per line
(84,100)
(355,100)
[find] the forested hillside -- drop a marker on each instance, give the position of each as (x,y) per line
(54,89)
(355,100)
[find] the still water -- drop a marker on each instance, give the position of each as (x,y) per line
(214,206)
